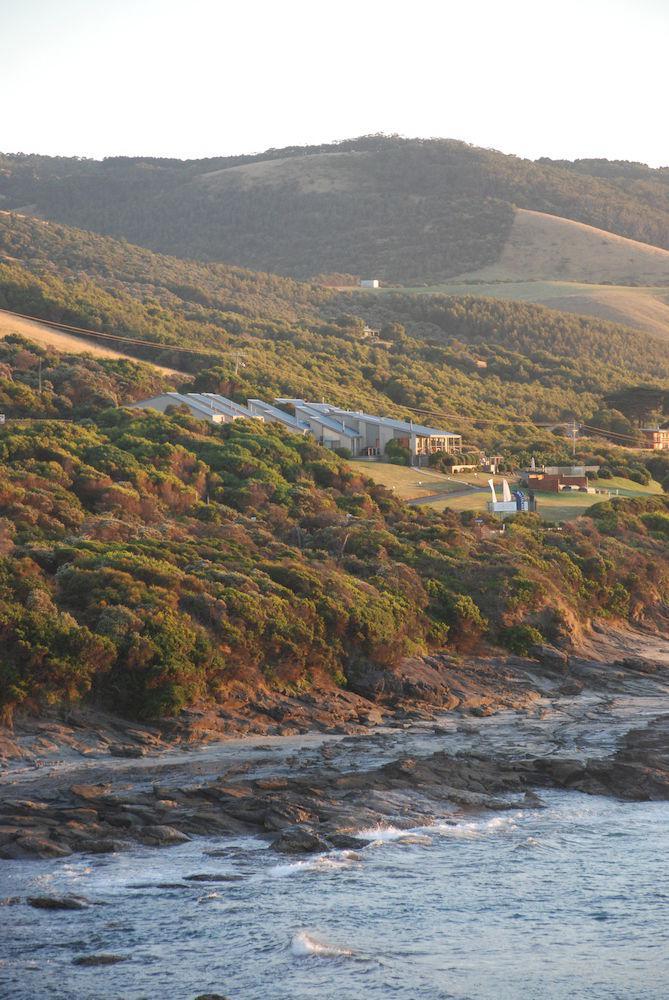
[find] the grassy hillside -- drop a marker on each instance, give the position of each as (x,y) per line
(287,338)
(147,561)
(402,210)
(545,247)
(643,308)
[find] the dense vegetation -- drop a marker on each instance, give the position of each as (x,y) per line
(286,338)
(147,561)
(407,210)
(36,383)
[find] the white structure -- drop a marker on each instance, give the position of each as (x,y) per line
(203,405)
(511,503)
(272,414)
(331,431)
(365,434)
(358,432)
(369,283)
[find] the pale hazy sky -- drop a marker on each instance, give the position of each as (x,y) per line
(190,78)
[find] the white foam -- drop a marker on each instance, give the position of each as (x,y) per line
(304,945)
(475,828)
(470,829)
(320,863)
(383,834)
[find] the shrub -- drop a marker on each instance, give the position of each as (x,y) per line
(520,639)
(397,454)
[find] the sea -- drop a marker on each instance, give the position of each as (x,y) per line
(567,899)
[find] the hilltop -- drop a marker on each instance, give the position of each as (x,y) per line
(403,210)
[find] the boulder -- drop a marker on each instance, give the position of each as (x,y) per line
(58,902)
(90,792)
(126,750)
(163,836)
(551,657)
(345,842)
(32,847)
(300,840)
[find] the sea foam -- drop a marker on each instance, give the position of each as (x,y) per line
(304,945)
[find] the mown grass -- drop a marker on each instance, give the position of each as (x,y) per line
(406,483)
(555,506)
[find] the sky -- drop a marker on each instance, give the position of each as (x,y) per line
(193,78)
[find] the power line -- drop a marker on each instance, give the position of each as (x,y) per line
(618,434)
(118,337)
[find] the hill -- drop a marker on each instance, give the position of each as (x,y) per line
(404,210)
(544,247)
(47,336)
(257,334)
(634,306)
(560,263)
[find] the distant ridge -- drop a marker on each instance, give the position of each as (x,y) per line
(403,210)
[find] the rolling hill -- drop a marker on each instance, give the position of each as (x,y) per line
(564,264)
(404,210)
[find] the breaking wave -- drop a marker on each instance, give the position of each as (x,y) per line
(321,863)
(304,945)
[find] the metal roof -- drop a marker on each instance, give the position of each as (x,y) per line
(217,402)
(274,413)
(401,425)
(182,398)
(323,418)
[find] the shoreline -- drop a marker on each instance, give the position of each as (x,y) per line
(577,726)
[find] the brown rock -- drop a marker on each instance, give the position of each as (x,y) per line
(163,836)
(32,847)
(299,840)
(90,792)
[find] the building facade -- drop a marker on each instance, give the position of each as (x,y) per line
(656,438)
(367,435)
(363,434)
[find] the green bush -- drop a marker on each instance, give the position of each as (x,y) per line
(397,454)
(521,639)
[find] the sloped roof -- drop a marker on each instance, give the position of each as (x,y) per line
(401,425)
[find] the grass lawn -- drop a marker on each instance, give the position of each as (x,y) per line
(626,486)
(551,506)
(408,483)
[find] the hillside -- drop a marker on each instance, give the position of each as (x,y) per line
(151,561)
(633,306)
(560,263)
(259,334)
(544,247)
(401,210)
(47,336)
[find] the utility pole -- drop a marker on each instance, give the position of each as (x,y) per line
(574,429)
(39,376)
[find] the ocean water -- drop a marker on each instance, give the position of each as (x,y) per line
(568,901)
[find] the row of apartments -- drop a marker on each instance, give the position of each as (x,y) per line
(363,434)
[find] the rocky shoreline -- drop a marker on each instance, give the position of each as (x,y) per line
(103,798)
